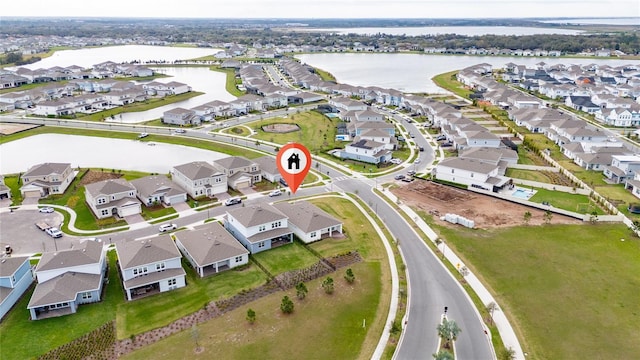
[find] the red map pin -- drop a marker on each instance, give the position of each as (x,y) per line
(294,162)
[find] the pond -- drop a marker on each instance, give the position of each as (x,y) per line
(98,152)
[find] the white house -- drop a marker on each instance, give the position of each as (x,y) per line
(180,116)
(150,266)
(259,228)
(368,151)
(210,249)
(622,168)
(308,222)
(200,178)
(66,279)
(470,172)
(113,197)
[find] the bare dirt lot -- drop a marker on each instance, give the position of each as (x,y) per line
(11,128)
(486,211)
(93,176)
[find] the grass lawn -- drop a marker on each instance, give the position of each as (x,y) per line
(448,81)
(317,132)
(285,258)
(156,212)
(321,326)
(567,201)
(161,309)
(18,332)
(138,106)
(531,175)
(231,84)
(570,291)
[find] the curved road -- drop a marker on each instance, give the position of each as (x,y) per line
(431,286)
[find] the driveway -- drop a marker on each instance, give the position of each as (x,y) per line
(182,206)
(30,200)
(134,219)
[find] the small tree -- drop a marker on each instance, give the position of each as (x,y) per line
(448,331)
(527,217)
(327,285)
(349,276)
(251,316)
(506,354)
(287,305)
(593,218)
(301,291)
(443,355)
(491,308)
(548,215)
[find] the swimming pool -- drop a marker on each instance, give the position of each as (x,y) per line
(523,194)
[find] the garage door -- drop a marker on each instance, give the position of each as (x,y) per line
(129,210)
(32,193)
(172,200)
(243,184)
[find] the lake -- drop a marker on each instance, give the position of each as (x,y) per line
(438,30)
(597,21)
(413,72)
(98,152)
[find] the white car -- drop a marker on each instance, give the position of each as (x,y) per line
(142,135)
(46,209)
(276,192)
(179,131)
(167,227)
(54,232)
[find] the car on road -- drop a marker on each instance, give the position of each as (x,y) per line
(408,179)
(276,192)
(395,161)
(46,209)
(167,227)
(417,161)
(54,232)
(179,131)
(233,201)
(411,172)
(91,239)
(142,135)
(399,177)
(421,148)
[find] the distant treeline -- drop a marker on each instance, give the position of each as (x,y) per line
(216,31)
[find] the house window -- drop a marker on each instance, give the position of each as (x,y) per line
(171,282)
(238,259)
(102,200)
(140,270)
(86,296)
(160,267)
(276,224)
(262,228)
(452,171)
(104,212)
(261,244)
(313,234)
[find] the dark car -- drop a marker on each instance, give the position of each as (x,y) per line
(399,177)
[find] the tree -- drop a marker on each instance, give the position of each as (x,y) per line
(301,291)
(349,276)
(548,215)
(448,331)
(593,218)
(527,217)
(506,354)
(251,316)
(327,285)
(491,308)
(443,355)
(287,305)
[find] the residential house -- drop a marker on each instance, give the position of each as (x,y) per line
(582,103)
(15,279)
(5,192)
(211,249)
(112,197)
(268,168)
(150,266)
(241,172)
(471,172)
(157,189)
(304,97)
(622,168)
(259,228)
(368,151)
(199,179)
(308,222)
(67,279)
(180,116)
(45,179)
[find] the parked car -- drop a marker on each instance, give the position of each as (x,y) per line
(91,239)
(46,209)
(399,177)
(441,137)
(42,225)
(179,131)
(54,232)
(276,192)
(447,144)
(408,179)
(411,173)
(417,161)
(142,135)
(167,227)
(233,201)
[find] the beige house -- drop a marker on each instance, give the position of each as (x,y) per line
(113,197)
(241,172)
(308,222)
(199,179)
(44,179)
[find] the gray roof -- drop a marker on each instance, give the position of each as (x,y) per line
(482,154)
(154,184)
(306,216)
(267,164)
(9,265)
(63,288)
(210,243)
(256,215)
(233,162)
(468,164)
(88,252)
(109,187)
(134,253)
(197,170)
(46,169)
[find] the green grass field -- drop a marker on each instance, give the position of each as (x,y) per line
(448,81)
(531,175)
(567,201)
(285,258)
(570,291)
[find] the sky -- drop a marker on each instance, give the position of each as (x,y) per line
(323,8)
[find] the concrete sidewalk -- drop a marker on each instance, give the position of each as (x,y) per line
(507,334)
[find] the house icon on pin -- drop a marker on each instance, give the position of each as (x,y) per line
(294,159)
